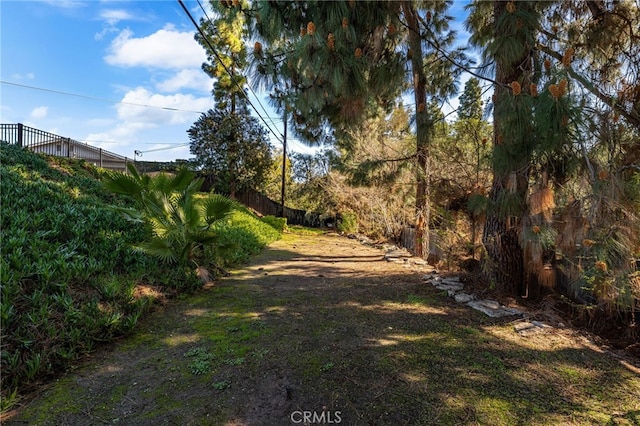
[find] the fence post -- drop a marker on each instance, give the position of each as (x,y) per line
(20,137)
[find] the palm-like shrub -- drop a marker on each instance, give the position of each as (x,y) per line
(182,225)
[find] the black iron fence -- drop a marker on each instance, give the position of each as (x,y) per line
(50,144)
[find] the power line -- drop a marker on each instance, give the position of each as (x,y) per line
(248,85)
(59,92)
(139,153)
(204,37)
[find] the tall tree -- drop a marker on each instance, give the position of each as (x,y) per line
(471,100)
(229,144)
(509,42)
(543,100)
(233,148)
(342,60)
(226,52)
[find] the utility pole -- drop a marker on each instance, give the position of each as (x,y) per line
(284,162)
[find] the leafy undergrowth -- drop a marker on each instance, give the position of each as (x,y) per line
(320,324)
(69,278)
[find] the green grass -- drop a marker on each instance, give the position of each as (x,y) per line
(68,274)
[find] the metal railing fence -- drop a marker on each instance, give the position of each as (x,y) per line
(51,144)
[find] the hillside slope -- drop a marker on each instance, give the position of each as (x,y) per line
(69,278)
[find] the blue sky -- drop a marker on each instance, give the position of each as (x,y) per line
(130,52)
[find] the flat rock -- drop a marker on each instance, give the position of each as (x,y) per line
(448,287)
(463,297)
(492,308)
(395,254)
(528,328)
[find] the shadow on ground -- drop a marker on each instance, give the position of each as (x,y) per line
(323,327)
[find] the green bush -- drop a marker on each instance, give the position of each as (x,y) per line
(279,223)
(348,222)
(183,223)
(240,237)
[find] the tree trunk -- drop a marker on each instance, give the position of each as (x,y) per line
(423,207)
(505,256)
(231,161)
(507,198)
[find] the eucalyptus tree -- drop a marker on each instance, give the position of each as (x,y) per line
(336,63)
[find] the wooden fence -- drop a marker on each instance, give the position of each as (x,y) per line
(51,144)
(407,240)
(264,205)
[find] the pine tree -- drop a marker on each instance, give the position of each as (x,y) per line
(229,144)
(548,145)
(226,53)
(509,41)
(342,60)
(471,100)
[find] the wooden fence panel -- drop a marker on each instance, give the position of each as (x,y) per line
(264,205)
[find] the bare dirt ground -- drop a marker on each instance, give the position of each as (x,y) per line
(322,330)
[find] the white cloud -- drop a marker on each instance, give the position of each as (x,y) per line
(166,48)
(187,79)
(157,112)
(119,136)
(165,109)
(66,4)
(113,16)
(39,112)
(27,76)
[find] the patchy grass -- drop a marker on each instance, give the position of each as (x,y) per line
(320,323)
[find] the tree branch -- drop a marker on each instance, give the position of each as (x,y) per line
(631,116)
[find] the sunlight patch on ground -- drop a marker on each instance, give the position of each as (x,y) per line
(549,341)
(413,377)
(394,339)
(393,307)
(143,290)
(196,312)
(275,310)
(243,315)
(181,339)
(111,369)
(491,410)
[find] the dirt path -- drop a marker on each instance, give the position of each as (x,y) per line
(322,330)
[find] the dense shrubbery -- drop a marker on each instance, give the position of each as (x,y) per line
(67,270)
(279,223)
(348,222)
(242,236)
